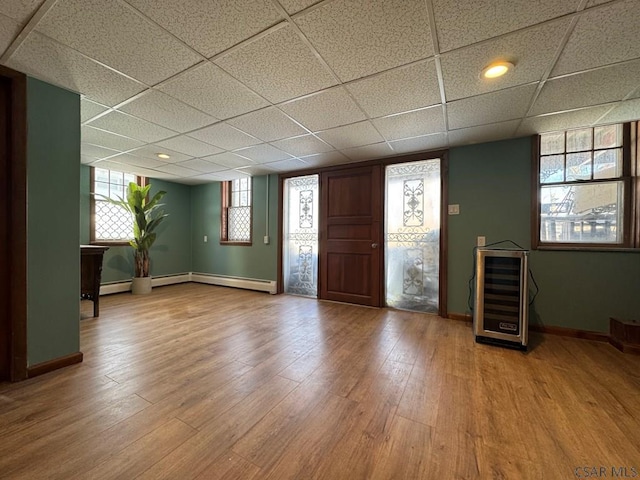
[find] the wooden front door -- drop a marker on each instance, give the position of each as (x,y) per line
(350,240)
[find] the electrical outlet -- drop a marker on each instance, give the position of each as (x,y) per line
(482,241)
(454,209)
(205,239)
(266,240)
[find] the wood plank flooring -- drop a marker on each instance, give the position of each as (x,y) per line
(204,382)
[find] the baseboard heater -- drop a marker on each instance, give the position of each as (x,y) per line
(269,286)
(501,312)
(118,287)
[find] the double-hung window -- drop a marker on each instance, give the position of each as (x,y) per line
(236,212)
(586,188)
(110,223)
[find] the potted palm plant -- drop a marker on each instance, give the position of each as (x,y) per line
(147,216)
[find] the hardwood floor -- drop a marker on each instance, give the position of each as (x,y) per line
(197,381)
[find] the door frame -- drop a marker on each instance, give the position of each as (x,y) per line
(443,155)
(14,281)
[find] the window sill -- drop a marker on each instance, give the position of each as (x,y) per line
(238,244)
(586,248)
(107,243)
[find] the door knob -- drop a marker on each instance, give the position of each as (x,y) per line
(374,245)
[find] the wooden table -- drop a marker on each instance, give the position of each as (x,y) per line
(91,271)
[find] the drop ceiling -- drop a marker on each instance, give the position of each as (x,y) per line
(249,87)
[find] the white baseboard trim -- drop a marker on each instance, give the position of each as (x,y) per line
(270,286)
(120,287)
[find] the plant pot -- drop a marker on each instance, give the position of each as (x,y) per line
(140,285)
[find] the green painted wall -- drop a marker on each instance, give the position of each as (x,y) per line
(170,255)
(492,184)
(53,210)
(257,261)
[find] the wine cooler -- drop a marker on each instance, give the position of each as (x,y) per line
(501,311)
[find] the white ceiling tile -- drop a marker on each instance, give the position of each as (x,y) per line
(224,136)
(263,153)
(302,145)
(20,10)
(152,150)
(211,27)
(492,107)
(162,109)
(463,23)
(360,37)
(593,3)
(229,160)
(417,144)
(484,133)
(178,170)
(212,90)
(189,146)
(129,159)
(369,152)
(96,152)
(268,124)
(415,86)
(9,28)
(532,51)
(324,159)
(354,135)
(86,160)
(561,121)
(287,165)
(89,109)
(134,127)
(257,170)
(602,36)
(108,139)
(227,175)
(198,180)
(123,167)
(627,111)
(412,124)
(54,63)
(278,66)
(202,166)
(294,6)
(324,110)
(124,38)
(585,89)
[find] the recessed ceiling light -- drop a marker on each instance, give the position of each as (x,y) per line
(497,69)
(163,155)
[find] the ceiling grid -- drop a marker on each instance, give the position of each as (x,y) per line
(249,87)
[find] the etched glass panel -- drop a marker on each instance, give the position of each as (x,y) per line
(412,235)
(301,206)
(239,224)
(112,222)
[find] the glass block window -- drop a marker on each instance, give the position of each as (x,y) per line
(582,186)
(110,223)
(236,211)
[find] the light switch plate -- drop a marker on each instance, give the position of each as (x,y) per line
(454,209)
